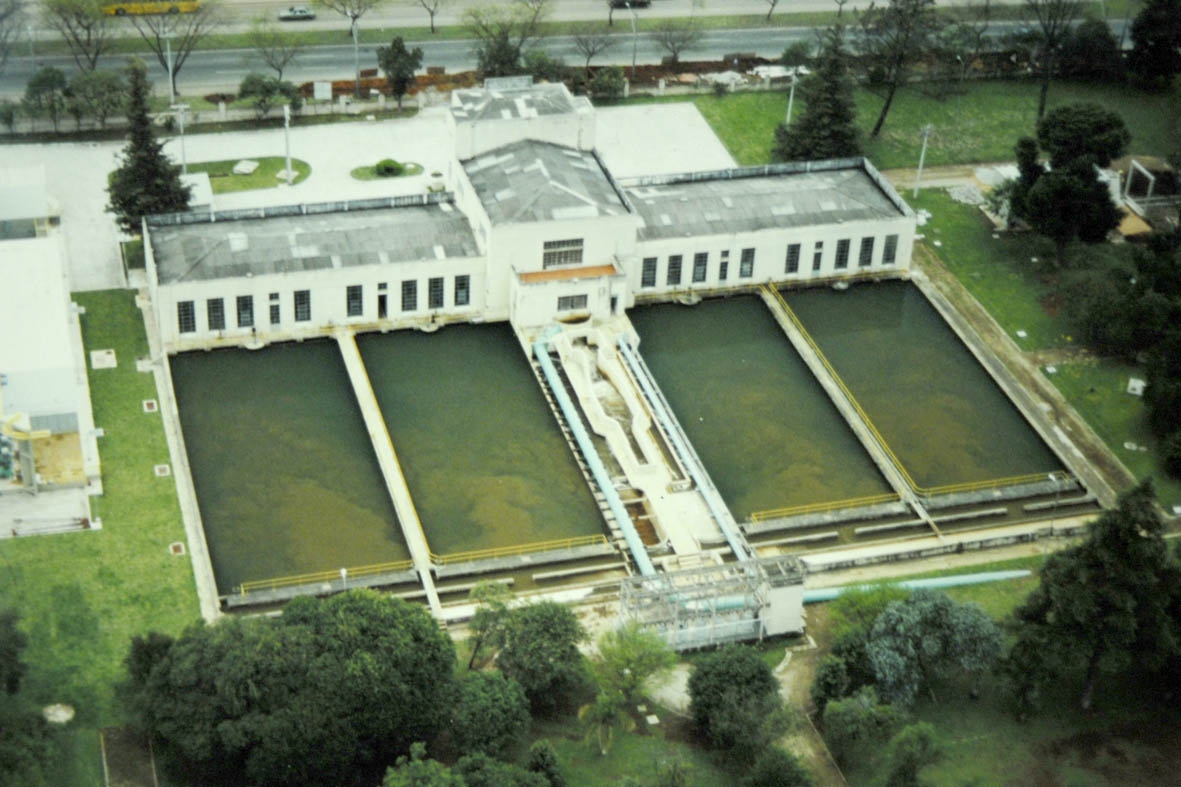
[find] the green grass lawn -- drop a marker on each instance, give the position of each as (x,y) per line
(1098,390)
(997,270)
(223,180)
(981,124)
(82,596)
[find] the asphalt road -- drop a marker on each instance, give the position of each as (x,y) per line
(222,70)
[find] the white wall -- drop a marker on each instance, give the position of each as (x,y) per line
(573,129)
(771,254)
(329,305)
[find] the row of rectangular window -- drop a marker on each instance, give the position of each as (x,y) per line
(215,314)
(674,272)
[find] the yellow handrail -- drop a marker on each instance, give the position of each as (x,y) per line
(517,549)
(324,576)
(968,486)
(812,508)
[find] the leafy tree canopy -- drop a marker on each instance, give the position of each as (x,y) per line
(857,721)
(399,64)
(734,699)
(1068,203)
(327,694)
(778,768)
(491,715)
(1156,42)
(1077,131)
(628,658)
(911,750)
(541,653)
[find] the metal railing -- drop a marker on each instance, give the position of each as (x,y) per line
(815,508)
(315,577)
(518,549)
(922,491)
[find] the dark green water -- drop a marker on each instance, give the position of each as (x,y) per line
(285,476)
(760,422)
(942,415)
(481,452)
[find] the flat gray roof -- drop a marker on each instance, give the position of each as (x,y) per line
(281,244)
(747,200)
(525,102)
(538,181)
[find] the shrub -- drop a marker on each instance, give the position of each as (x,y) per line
(607,83)
(388,168)
(1172,454)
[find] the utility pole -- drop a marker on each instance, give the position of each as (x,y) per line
(927,129)
(356,61)
(634,38)
(180,110)
(791,96)
(168,50)
(287,144)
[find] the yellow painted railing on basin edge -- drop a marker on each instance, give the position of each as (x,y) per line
(518,549)
(814,508)
(969,486)
(357,572)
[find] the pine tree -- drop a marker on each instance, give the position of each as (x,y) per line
(146,182)
(825,128)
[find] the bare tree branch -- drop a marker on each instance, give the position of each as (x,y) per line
(676,35)
(83,26)
(771,7)
(1054,19)
(11,19)
(276,47)
(590,44)
(432,7)
(180,32)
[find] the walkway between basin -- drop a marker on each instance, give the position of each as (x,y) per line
(391,469)
(836,394)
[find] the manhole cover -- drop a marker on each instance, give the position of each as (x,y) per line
(150,406)
(162,471)
(176,548)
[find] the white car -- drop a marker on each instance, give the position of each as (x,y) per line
(296,13)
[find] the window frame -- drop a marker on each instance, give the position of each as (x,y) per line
(245,316)
(746,264)
(462,294)
(674,265)
(842,258)
(354,300)
(409,302)
(186,315)
(215,314)
(436,292)
(865,252)
(303,305)
(791,263)
(560,253)
(570,303)
(700,267)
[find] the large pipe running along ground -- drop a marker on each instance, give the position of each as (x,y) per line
(828,594)
(737,546)
(574,421)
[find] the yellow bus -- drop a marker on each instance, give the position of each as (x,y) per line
(141,7)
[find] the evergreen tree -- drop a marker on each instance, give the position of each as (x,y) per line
(825,128)
(146,182)
(1156,42)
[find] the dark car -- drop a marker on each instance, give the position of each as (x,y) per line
(633,3)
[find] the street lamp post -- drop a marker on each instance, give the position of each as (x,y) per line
(180,110)
(168,50)
(287,141)
(927,129)
(635,37)
(791,96)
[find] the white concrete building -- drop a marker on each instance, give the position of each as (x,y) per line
(533,228)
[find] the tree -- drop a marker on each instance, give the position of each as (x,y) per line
(11,20)
(491,715)
(352,10)
(914,640)
(83,26)
(399,64)
(502,33)
(1029,171)
(1071,203)
(590,43)
(1162,396)
(417,771)
(628,658)
(487,626)
(1104,605)
(734,700)
(895,36)
(771,7)
(853,614)
(329,693)
(857,721)
(12,642)
(46,94)
(543,66)
(778,768)
(675,35)
(178,34)
(825,129)
(1091,53)
(602,716)
(541,653)
(480,770)
(264,91)
(432,8)
(831,682)
(147,181)
(1054,19)
(276,47)
(1076,131)
(911,750)
(543,759)
(8,111)
(98,94)
(1156,42)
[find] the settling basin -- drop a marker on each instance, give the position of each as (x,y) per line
(482,454)
(937,408)
(285,476)
(760,422)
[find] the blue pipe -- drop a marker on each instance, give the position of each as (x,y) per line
(828,594)
(574,421)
